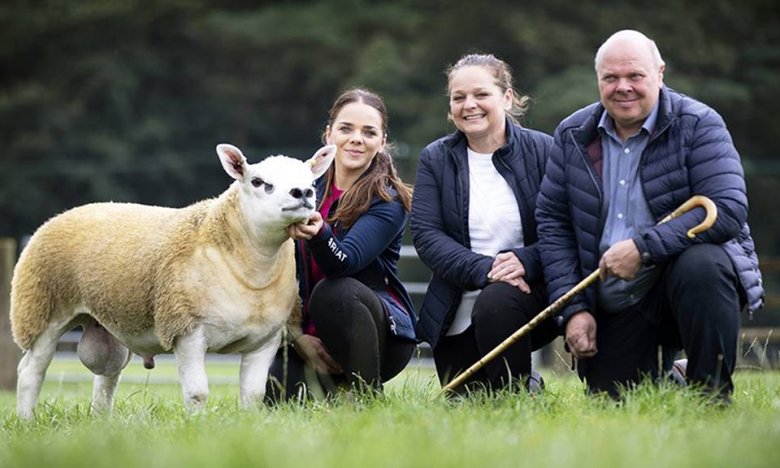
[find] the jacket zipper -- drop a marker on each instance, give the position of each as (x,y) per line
(516,192)
(461,198)
(591,169)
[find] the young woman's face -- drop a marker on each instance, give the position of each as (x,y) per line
(357,132)
(477,105)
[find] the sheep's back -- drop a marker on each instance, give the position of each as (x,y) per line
(103,255)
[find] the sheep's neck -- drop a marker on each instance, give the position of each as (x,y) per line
(242,252)
(244,270)
(227,227)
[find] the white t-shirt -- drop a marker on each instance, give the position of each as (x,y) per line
(494,223)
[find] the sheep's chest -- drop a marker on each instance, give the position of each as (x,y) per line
(237,318)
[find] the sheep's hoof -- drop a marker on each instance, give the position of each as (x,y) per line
(25,414)
(196,403)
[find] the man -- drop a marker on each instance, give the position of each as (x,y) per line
(618,167)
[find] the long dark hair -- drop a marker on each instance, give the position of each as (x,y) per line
(379,177)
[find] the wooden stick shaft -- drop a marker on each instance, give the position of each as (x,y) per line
(709,220)
(543,315)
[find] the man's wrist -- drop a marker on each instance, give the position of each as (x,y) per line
(644,255)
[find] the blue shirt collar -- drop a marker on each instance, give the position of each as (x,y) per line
(608,125)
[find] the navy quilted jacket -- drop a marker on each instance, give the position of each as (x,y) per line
(440,215)
(367,251)
(689,153)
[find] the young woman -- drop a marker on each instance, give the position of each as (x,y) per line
(358,319)
(473,226)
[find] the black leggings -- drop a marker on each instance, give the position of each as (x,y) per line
(499,311)
(352,324)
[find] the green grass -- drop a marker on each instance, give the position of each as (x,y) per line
(409,426)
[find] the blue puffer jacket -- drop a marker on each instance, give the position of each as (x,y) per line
(367,251)
(440,213)
(689,153)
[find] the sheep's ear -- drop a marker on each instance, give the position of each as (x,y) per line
(233,161)
(321,160)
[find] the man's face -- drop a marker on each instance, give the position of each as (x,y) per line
(629,84)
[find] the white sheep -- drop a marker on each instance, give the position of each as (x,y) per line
(216,276)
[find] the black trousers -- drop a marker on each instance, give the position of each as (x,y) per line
(499,311)
(352,324)
(695,307)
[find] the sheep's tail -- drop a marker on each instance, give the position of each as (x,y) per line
(32,301)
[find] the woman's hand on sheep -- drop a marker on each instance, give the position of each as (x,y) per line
(311,349)
(509,269)
(307,230)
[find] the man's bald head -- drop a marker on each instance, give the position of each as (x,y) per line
(632,39)
(629,71)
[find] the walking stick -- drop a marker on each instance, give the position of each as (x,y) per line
(693,202)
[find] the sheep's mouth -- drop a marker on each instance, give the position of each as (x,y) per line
(304,204)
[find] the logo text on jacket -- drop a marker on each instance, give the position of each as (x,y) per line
(336,251)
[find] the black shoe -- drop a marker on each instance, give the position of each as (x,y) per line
(535,383)
(677,374)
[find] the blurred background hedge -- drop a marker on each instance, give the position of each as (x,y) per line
(126,100)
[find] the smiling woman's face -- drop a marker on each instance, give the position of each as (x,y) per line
(357,132)
(477,105)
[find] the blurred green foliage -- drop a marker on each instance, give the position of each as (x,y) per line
(126,100)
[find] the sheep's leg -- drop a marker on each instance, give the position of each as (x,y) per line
(32,370)
(103,391)
(190,352)
(254,371)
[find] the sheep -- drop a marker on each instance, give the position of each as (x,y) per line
(215,276)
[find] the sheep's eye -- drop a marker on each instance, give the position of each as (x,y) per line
(257,181)
(269,188)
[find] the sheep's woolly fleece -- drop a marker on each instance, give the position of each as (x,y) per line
(132,272)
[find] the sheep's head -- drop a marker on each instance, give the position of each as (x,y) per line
(278,191)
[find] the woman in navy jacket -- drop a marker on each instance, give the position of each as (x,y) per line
(358,319)
(473,226)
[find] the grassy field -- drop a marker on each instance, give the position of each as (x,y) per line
(409,426)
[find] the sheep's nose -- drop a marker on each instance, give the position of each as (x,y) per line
(298,193)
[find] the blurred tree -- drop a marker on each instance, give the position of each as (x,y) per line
(104,100)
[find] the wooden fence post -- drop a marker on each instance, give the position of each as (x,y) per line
(9,352)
